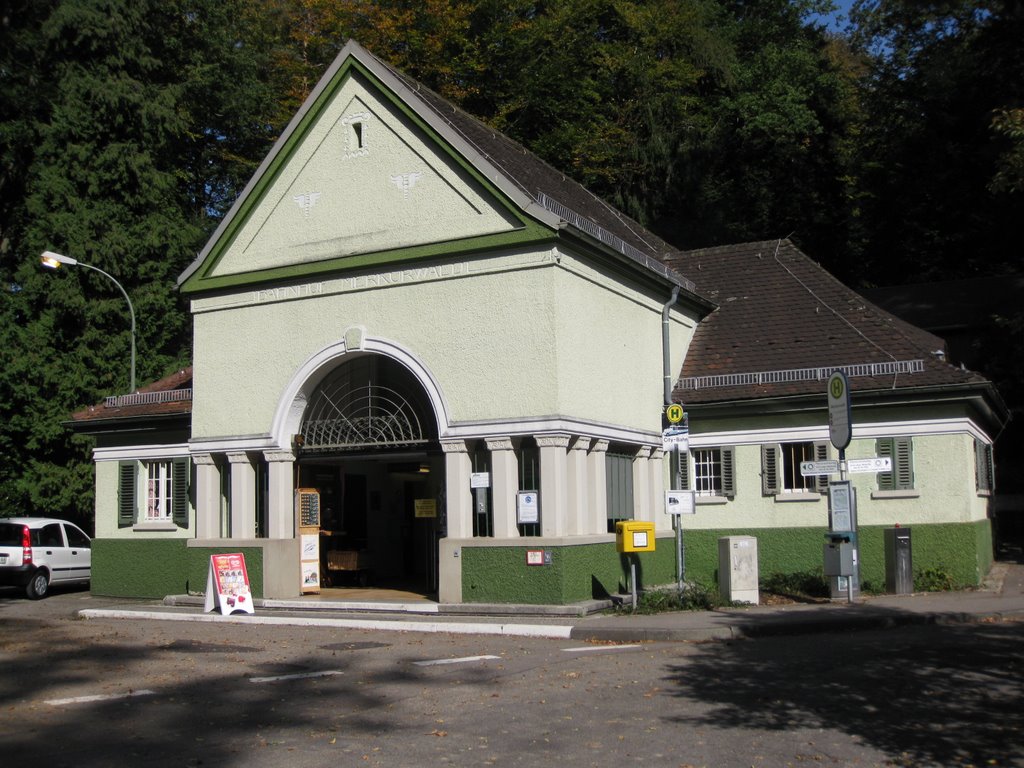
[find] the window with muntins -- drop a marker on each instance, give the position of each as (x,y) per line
(780,468)
(158,491)
(984,467)
(166,492)
(713,472)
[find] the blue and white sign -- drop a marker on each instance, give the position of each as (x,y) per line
(526,507)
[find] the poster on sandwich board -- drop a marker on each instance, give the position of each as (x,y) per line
(227,585)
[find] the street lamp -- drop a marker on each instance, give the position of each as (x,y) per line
(55,260)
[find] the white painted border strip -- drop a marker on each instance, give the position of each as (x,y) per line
(463,660)
(557,632)
(296,676)
(307,605)
(98,697)
(592,648)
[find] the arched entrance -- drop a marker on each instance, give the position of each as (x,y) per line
(368,443)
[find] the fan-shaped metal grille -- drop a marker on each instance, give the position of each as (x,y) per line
(344,418)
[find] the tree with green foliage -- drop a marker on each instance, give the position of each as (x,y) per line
(943,143)
(155,118)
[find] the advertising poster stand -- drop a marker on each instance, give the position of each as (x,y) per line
(227,585)
(307,510)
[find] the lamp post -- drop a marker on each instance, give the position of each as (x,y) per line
(55,260)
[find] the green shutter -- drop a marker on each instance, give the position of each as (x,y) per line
(728,472)
(127,477)
(901,451)
(770,484)
(903,463)
(179,491)
(884,447)
(820,482)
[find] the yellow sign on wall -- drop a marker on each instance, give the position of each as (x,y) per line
(425,507)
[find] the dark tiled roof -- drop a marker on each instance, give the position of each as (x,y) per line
(779,311)
(177,385)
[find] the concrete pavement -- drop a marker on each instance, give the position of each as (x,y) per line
(1000,598)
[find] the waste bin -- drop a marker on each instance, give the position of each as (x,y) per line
(899,566)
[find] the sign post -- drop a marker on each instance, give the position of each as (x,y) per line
(675,438)
(843,501)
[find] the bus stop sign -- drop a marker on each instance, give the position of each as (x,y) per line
(839,431)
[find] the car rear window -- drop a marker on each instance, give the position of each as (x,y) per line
(10,534)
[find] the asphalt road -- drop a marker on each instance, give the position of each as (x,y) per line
(124,693)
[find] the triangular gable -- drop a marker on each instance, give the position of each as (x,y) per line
(361,177)
(375,169)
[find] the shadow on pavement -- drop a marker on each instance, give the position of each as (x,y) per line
(946,695)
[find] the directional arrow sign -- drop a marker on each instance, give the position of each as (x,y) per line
(809,468)
(874,464)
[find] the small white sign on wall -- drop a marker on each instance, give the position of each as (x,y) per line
(680,503)
(526,507)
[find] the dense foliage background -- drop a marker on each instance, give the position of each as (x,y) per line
(892,152)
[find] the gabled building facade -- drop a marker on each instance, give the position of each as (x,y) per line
(402,299)
(465,355)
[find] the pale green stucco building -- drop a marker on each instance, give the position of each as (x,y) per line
(404,304)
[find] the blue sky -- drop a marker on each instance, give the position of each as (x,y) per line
(838,18)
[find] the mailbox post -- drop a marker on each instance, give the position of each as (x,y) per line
(632,536)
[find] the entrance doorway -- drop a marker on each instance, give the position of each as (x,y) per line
(368,445)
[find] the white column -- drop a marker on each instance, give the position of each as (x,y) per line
(504,485)
(642,484)
(280,494)
(554,490)
(458,495)
(657,464)
(597,487)
(576,478)
(243,496)
(207,496)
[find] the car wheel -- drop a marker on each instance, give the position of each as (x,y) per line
(38,586)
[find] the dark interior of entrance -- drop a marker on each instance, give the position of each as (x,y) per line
(380,520)
(369,446)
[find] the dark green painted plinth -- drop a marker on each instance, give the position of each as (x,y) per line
(500,574)
(154,568)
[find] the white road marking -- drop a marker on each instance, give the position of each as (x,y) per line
(463,660)
(98,697)
(592,648)
(296,676)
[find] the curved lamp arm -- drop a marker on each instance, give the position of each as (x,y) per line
(55,260)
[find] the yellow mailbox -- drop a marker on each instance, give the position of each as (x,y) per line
(634,536)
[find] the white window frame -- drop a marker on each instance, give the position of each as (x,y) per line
(713,472)
(159,491)
(774,479)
